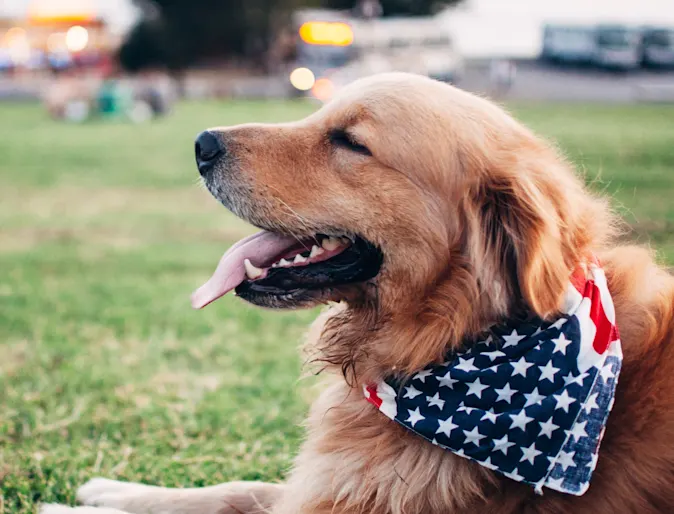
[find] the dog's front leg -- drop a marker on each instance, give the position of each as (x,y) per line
(131,498)
(52,508)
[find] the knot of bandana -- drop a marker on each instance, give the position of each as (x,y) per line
(530,401)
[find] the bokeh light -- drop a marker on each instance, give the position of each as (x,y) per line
(18,45)
(77,38)
(326,33)
(14,34)
(323,89)
(302,79)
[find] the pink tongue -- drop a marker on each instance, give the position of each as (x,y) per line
(260,248)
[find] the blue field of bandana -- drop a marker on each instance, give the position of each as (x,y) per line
(517,404)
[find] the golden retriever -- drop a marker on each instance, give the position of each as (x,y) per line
(439,215)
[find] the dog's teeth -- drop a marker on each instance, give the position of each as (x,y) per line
(331,243)
(315,250)
(299,259)
(284,263)
(252,271)
(275,265)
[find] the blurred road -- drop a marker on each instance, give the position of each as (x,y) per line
(541,82)
(22,90)
(533,81)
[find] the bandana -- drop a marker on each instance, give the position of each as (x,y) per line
(530,401)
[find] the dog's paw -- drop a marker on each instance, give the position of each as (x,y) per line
(129,497)
(52,508)
(125,496)
(98,489)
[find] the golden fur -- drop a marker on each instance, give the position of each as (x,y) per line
(478,219)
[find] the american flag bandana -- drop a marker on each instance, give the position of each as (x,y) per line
(531,400)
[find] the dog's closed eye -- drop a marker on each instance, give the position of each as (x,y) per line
(342,139)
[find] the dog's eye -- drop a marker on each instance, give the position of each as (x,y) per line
(343,139)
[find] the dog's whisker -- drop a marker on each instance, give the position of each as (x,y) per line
(297,216)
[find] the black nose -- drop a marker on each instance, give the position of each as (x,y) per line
(207,148)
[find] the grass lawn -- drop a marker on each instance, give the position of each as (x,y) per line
(104,232)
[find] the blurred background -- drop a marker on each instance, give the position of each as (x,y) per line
(105,230)
(71,51)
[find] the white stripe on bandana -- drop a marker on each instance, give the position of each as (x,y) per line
(530,401)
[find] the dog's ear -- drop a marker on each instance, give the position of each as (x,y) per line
(524,227)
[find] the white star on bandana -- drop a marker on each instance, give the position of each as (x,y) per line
(521,366)
(512,339)
(435,401)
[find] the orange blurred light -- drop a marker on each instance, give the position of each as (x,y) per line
(323,89)
(72,12)
(14,34)
(18,45)
(326,33)
(66,19)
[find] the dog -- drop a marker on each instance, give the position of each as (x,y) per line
(424,215)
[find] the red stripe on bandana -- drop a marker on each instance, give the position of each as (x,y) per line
(607,332)
(372,396)
(578,279)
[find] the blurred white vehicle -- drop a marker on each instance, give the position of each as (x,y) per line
(658,47)
(415,45)
(603,46)
(569,43)
(333,50)
(617,47)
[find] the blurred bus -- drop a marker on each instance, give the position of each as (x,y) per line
(333,49)
(602,46)
(658,47)
(573,44)
(417,45)
(617,47)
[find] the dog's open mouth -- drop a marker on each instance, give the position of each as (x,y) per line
(277,270)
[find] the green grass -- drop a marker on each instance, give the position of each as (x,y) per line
(105,369)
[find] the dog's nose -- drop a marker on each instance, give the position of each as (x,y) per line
(207,148)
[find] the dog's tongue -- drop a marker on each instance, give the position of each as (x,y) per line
(260,248)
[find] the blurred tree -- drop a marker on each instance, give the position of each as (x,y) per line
(391,7)
(143,47)
(178,33)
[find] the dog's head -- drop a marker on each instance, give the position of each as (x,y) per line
(428,210)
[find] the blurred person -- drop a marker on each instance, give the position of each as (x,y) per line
(59,61)
(6,63)
(368,9)
(67,96)
(502,75)
(152,94)
(113,98)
